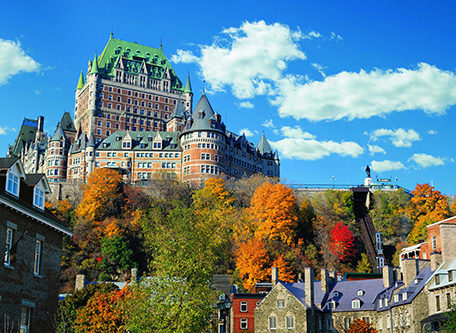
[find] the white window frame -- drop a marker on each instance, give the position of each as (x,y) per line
(280,304)
(356,304)
(272,323)
(38,254)
(290,322)
(244,324)
(26,313)
(434,242)
(12,184)
(38,198)
(243,307)
(380,323)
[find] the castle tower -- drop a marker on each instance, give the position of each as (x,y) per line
(57,156)
(203,142)
(188,95)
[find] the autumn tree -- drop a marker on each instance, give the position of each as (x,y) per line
(253,262)
(117,258)
(102,314)
(100,194)
(427,206)
(286,273)
(275,209)
(361,326)
(364,265)
(341,241)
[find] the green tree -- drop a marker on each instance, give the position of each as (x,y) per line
(178,298)
(449,326)
(117,258)
(364,265)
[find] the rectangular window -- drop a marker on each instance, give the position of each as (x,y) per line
(290,322)
(244,322)
(437,302)
(25,319)
(281,303)
(9,243)
(38,198)
(272,323)
(12,185)
(388,322)
(448,297)
(450,276)
(37,265)
(380,323)
(243,306)
(434,243)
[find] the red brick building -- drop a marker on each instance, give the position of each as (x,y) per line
(243,312)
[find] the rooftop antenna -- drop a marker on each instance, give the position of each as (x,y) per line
(204,87)
(112,31)
(161,44)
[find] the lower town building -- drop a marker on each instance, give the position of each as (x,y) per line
(32,239)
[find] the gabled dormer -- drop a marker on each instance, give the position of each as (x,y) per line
(14,173)
(127,141)
(157,142)
(40,188)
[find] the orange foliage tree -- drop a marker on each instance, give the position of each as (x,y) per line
(285,270)
(100,192)
(275,210)
(361,326)
(427,206)
(102,314)
(252,262)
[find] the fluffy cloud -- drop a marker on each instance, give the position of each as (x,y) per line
(310,150)
(247,132)
(246,105)
(13,60)
(399,137)
(4,130)
(319,69)
(432,132)
(375,149)
(296,133)
(248,58)
(268,123)
(367,94)
(386,165)
(425,160)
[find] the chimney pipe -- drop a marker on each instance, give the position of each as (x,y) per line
(275,276)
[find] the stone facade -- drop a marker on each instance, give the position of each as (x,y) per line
(30,274)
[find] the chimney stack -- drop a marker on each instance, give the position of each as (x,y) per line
(80,282)
(275,276)
(324,281)
(409,270)
(309,286)
(388,276)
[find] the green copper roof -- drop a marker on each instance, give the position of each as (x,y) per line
(188,86)
(132,56)
(81,82)
(94,69)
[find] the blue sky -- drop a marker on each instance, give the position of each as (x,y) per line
(334,85)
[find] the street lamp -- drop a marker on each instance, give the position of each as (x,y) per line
(224,306)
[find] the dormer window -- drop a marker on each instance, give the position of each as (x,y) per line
(356,304)
(360,293)
(396,298)
(331,305)
(380,303)
(336,294)
(38,198)
(12,184)
(404,296)
(437,279)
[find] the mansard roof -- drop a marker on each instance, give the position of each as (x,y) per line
(141,140)
(133,57)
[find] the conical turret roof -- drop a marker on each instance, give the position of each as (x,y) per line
(81,82)
(94,69)
(188,86)
(59,133)
(263,146)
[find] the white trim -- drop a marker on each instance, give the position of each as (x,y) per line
(36,217)
(11,225)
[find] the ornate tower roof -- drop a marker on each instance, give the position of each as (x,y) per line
(94,69)
(59,133)
(188,86)
(80,82)
(264,147)
(204,118)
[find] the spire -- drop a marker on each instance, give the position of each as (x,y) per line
(263,146)
(94,69)
(81,82)
(188,86)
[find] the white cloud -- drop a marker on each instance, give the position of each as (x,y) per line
(432,132)
(296,133)
(246,105)
(246,132)
(248,58)
(310,150)
(268,123)
(13,60)
(373,149)
(336,37)
(386,165)
(367,94)
(399,137)
(312,34)
(319,68)
(425,160)
(4,130)
(185,57)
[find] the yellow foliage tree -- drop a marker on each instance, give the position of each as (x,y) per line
(285,270)
(100,192)
(275,210)
(427,206)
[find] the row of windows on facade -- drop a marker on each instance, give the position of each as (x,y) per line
(135,94)
(132,79)
(204,145)
(139,155)
(289,322)
(12,187)
(54,172)
(9,245)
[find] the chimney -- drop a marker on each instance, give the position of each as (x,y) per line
(388,276)
(309,286)
(275,276)
(40,123)
(134,275)
(333,276)
(324,281)
(447,243)
(409,270)
(80,282)
(436,260)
